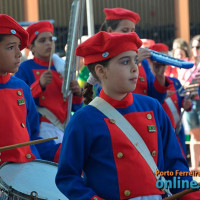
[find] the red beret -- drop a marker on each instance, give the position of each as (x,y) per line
(35,29)
(121,13)
(8,26)
(104,45)
(159,47)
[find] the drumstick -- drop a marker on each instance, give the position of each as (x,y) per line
(180,194)
(5,148)
(52,48)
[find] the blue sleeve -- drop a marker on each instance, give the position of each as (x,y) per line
(152,92)
(22,73)
(74,150)
(172,156)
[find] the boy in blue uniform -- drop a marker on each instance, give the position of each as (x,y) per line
(93,143)
(19,120)
(46,84)
(173,102)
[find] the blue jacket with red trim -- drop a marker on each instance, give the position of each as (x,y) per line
(113,167)
(19,123)
(50,98)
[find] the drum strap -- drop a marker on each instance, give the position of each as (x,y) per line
(51,117)
(130,133)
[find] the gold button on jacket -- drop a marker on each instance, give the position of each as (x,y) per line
(112,121)
(23,125)
(127,193)
(19,93)
(120,155)
(28,156)
(153,153)
(149,116)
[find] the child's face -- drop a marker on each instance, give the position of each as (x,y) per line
(125,26)
(9,54)
(196,49)
(42,46)
(121,75)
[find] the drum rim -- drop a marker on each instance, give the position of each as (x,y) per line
(18,193)
(36,160)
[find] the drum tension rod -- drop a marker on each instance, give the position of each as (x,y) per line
(10,191)
(34,195)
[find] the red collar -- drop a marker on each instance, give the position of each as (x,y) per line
(42,62)
(4,79)
(125,102)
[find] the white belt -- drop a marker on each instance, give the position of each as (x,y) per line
(51,117)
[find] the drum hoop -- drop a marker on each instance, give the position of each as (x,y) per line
(36,160)
(18,193)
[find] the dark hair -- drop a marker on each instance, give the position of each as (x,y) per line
(113,23)
(2,36)
(88,88)
(34,40)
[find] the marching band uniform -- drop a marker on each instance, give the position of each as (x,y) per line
(113,167)
(174,102)
(51,97)
(107,156)
(172,106)
(19,119)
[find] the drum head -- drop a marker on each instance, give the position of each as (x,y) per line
(38,176)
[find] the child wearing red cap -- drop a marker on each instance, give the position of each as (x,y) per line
(124,21)
(173,102)
(96,142)
(46,85)
(19,119)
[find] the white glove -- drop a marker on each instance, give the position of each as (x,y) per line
(59,64)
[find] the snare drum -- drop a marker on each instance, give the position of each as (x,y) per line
(31,180)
